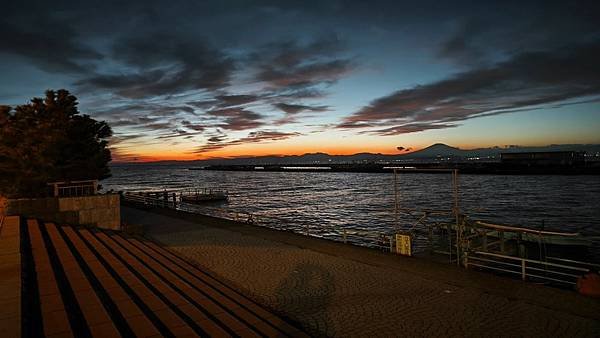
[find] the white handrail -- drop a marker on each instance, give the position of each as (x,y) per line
(533,231)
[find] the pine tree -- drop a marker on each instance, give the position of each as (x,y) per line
(48,140)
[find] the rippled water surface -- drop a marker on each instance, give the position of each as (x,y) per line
(365,201)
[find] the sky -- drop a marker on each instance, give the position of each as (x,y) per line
(184,80)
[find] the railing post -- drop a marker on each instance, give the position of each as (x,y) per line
(344,236)
(484,242)
(306,229)
(523,273)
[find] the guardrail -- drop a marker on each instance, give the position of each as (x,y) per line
(379,240)
(74,188)
(561,271)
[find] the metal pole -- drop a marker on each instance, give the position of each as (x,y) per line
(396,198)
(456,215)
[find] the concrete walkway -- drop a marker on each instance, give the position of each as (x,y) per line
(339,290)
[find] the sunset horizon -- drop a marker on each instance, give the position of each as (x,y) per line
(408,150)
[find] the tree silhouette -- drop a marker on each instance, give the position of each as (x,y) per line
(48,140)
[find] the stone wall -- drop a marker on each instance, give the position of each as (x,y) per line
(103,211)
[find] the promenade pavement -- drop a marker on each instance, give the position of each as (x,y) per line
(332,289)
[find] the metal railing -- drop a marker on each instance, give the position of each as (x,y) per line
(203,191)
(373,239)
(561,271)
(74,188)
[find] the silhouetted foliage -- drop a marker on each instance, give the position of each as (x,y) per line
(48,140)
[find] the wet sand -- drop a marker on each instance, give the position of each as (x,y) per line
(335,289)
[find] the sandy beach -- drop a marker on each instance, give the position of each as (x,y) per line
(332,289)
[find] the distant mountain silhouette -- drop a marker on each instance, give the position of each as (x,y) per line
(443,150)
(433,152)
(436,150)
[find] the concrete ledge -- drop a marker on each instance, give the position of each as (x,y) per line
(102,211)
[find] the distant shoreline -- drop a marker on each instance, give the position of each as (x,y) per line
(432,168)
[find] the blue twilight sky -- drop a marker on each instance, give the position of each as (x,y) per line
(201,79)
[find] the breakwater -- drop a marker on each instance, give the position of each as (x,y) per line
(484,168)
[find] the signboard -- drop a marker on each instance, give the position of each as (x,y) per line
(403,245)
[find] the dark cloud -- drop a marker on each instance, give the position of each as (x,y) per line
(204,104)
(49,43)
(216,139)
(193,126)
(298,108)
(298,68)
(303,76)
(235,100)
(464,46)
(226,101)
(526,80)
(237,118)
(293,111)
(143,111)
(217,142)
(177,133)
(151,117)
(300,93)
(133,121)
(505,30)
(409,128)
(116,139)
(178,64)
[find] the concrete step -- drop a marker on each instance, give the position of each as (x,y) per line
(80,282)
